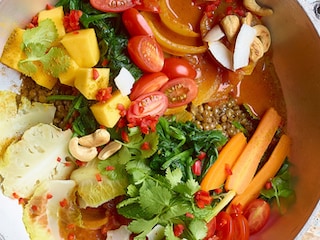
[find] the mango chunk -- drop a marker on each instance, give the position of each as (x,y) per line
(42,78)
(57,16)
(69,76)
(82,46)
(12,51)
(89,80)
(107,114)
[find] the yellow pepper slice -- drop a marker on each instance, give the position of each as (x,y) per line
(172,22)
(172,42)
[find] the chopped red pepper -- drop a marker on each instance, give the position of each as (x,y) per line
(34,208)
(202,198)
(196,168)
(71,21)
(63,203)
(98,177)
(122,109)
(104,94)
(15,195)
(145,146)
(125,136)
(71,236)
(95,74)
(110,168)
(49,6)
(189,215)
(49,196)
(268,185)
(178,229)
(202,155)
(228,170)
(58,159)
(218,190)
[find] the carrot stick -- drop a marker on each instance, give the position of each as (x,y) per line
(247,163)
(269,170)
(216,174)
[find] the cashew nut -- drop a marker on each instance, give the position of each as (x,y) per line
(110,149)
(254,7)
(264,35)
(231,25)
(82,153)
(256,50)
(98,138)
(247,19)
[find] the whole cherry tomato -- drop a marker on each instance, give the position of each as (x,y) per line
(175,67)
(135,23)
(112,5)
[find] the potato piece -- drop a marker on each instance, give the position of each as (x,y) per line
(107,114)
(68,77)
(56,15)
(82,46)
(12,51)
(89,80)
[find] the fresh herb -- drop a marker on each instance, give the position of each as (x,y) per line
(281,185)
(37,45)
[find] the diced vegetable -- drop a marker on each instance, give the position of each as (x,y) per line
(40,155)
(82,46)
(217,173)
(56,15)
(247,163)
(268,171)
(107,113)
(89,80)
(68,77)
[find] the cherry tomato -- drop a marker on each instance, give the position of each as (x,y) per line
(149,82)
(257,213)
(149,6)
(241,227)
(135,23)
(180,91)
(224,229)
(175,67)
(211,228)
(146,53)
(112,5)
(149,104)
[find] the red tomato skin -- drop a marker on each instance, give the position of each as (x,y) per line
(257,213)
(149,82)
(189,88)
(149,6)
(175,67)
(212,225)
(112,5)
(146,53)
(224,227)
(135,23)
(241,227)
(149,104)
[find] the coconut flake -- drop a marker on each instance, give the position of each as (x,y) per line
(222,54)
(244,40)
(124,81)
(215,34)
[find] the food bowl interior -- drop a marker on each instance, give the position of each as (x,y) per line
(296,51)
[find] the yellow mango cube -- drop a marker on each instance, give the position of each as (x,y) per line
(57,16)
(82,46)
(69,76)
(89,80)
(12,51)
(42,78)
(107,114)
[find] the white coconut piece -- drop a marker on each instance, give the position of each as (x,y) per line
(222,54)
(214,34)
(124,81)
(244,40)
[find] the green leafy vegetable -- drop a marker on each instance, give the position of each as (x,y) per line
(37,45)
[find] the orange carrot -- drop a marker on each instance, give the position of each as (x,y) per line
(269,170)
(216,174)
(247,163)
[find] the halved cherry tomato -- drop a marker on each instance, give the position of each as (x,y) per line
(211,228)
(149,6)
(241,227)
(112,5)
(180,91)
(149,82)
(146,53)
(149,104)
(175,67)
(224,229)
(257,213)
(135,23)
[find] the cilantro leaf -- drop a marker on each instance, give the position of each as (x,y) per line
(198,228)
(143,227)
(56,61)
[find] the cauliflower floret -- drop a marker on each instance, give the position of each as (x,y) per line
(16,118)
(41,215)
(41,154)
